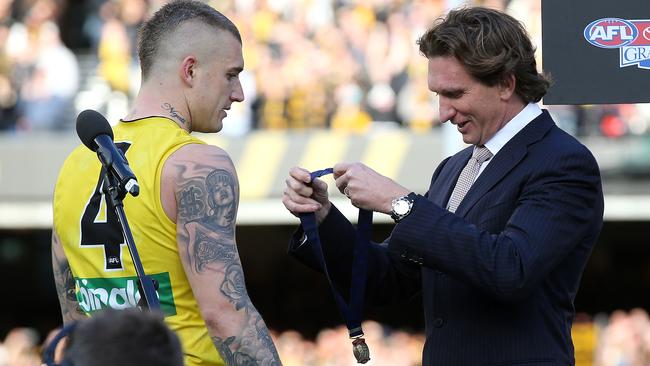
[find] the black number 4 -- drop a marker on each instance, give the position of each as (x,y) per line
(103,231)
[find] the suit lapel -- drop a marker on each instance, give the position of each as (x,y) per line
(505,160)
(442,187)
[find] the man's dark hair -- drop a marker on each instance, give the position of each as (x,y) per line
(491,45)
(168,18)
(127,337)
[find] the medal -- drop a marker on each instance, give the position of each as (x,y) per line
(360,350)
(352,312)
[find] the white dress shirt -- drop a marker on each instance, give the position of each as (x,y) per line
(507,132)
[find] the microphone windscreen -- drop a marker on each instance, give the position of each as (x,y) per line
(91,124)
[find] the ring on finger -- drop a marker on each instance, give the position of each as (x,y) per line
(346,192)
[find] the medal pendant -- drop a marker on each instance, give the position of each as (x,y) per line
(360,350)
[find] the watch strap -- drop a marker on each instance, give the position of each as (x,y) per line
(410,199)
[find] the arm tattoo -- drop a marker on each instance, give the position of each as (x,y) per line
(263,336)
(207,250)
(191,206)
(173,112)
(254,346)
(207,209)
(234,288)
(220,186)
(218,190)
(65,285)
(235,359)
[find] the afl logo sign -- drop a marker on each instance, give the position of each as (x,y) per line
(610,32)
(631,37)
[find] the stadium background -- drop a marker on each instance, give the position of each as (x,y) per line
(325,81)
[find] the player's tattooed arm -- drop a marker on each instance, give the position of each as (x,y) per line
(65,283)
(207,196)
(254,342)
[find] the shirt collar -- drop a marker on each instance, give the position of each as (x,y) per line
(512,127)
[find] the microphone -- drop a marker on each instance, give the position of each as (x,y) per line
(95,132)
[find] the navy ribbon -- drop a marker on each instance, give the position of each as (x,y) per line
(351,312)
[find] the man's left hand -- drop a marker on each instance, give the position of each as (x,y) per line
(366,188)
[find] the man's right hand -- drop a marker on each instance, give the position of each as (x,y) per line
(302,195)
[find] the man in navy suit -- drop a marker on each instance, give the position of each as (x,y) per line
(498,244)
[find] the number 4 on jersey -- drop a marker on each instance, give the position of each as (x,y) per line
(100,225)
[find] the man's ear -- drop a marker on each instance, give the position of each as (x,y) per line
(187,70)
(507,86)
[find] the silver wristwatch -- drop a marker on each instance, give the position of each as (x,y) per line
(401,206)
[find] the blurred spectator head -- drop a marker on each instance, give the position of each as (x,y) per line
(5,9)
(491,45)
(41,11)
(123,337)
(19,347)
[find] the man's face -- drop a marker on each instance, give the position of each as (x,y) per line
(477,110)
(218,85)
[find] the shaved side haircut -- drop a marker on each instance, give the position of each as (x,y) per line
(168,19)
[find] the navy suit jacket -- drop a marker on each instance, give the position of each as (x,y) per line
(498,277)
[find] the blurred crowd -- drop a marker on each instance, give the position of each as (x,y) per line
(621,339)
(340,64)
(38,73)
(625,339)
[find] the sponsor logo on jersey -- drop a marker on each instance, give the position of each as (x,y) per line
(95,294)
(631,37)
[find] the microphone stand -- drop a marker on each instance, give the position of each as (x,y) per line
(146,285)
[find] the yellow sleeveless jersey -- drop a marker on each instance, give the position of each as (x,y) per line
(92,237)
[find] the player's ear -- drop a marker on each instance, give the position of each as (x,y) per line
(187,70)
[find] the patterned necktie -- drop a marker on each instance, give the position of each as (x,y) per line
(467,176)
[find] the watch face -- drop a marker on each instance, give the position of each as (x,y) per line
(401,207)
